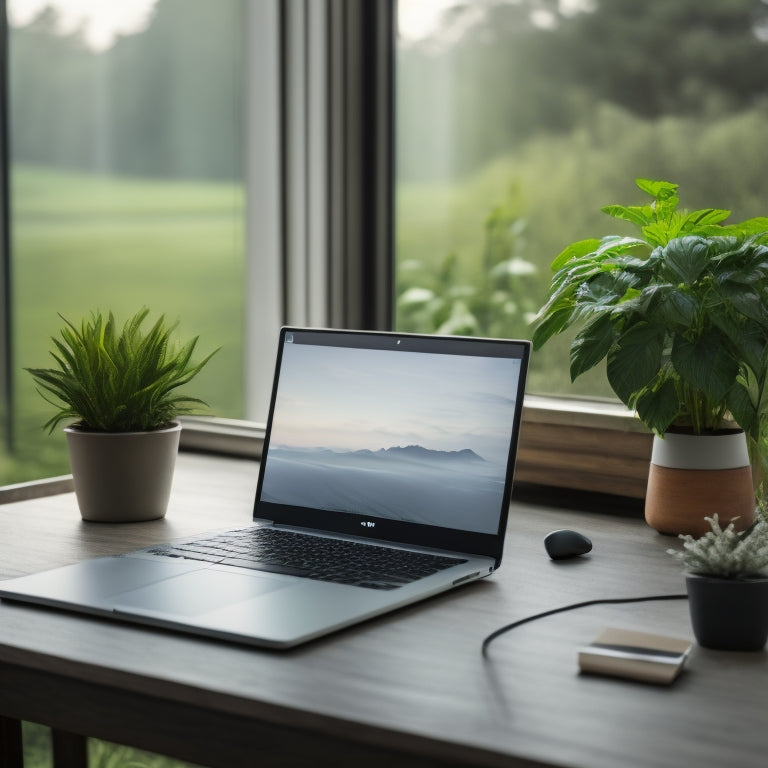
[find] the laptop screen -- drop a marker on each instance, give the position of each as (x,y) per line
(387,435)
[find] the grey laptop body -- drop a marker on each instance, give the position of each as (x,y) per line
(385,478)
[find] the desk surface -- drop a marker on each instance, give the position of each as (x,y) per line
(411,686)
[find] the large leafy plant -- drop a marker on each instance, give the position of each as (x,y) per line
(112,380)
(679,312)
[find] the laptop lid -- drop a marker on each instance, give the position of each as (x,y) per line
(397,437)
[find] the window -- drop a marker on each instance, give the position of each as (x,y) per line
(127,186)
(512,127)
(222,163)
(517,120)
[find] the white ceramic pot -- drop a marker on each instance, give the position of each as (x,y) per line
(693,476)
(123,477)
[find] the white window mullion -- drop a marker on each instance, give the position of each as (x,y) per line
(317,164)
(296,158)
(264,310)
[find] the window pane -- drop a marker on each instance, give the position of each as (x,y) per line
(518,120)
(126,186)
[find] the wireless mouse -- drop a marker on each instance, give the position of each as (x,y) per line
(564,543)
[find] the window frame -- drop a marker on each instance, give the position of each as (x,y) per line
(6,347)
(320,132)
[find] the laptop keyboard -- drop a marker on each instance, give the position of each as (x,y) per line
(314,557)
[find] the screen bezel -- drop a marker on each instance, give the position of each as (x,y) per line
(385,529)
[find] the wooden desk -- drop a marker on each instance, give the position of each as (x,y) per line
(408,689)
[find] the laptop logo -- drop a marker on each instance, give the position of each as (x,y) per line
(368,524)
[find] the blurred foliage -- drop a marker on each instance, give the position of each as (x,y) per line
(158,103)
(562,182)
(105,148)
(101,754)
(495,300)
(512,70)
(566,103)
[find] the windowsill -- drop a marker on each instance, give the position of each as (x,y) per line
(232,437)
(574,443)
(565,443)
(585,445)
(581,412)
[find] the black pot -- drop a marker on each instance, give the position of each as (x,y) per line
(728,614)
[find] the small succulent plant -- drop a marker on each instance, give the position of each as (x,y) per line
(726,553)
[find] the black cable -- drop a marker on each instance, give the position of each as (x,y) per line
(571,607)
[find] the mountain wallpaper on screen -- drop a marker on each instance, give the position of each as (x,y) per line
(411,436)
(409,483)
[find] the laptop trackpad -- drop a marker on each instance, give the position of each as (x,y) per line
(195,593)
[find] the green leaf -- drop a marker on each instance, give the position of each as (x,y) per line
(592,344)
(686,258)
(745,300)
(666,210)
(574,251)
(605,289)
(659,190)
(630,263)
(635,360)
(658,408)
(639,215)
(742,277)
(550,325)
(755,226)
(660,232)
(751,347)
(676,308)
(562,297)
(633,301)
(613,245)
(640,302)
(706,217)
(574,273)
(743,410)
(706,363)
(746,340)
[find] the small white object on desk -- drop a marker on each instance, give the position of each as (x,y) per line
(636,655)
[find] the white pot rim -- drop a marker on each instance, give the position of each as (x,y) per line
(704,452)
(73,429)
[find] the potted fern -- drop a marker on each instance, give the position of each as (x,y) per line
(679,314)
(727,583)
(119,390)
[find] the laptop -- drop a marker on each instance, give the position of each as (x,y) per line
(385,478)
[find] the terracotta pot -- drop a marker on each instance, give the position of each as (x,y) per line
(693,476)
(728,614)
(123,477)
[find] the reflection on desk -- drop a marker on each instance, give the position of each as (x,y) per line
(410,688)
